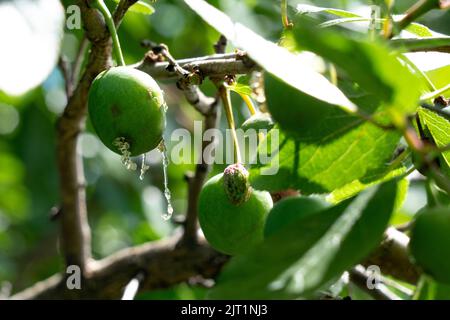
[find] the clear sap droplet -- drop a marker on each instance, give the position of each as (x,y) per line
(144,167)
(162,148)
(124,148)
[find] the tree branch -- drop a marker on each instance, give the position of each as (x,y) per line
(214,66)
(164,264)
(359,277)
(75,233)
(392,257)
(65,68)
(168,262)
(76,68)
(196,182)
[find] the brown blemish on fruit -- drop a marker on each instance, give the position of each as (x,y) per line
(115,110)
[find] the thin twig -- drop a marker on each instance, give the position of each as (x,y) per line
(213,66)
(173,64)
(77,65)
(66,71)
(195,183)
(415,11)
(221,45)
(379,291)
(392,257)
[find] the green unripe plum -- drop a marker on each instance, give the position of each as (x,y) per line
(430,242)
(293,110)
(232,228)
(126,106)
(289,209)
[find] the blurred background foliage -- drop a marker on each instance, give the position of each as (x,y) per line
(123,211)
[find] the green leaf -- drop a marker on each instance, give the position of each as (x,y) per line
(337,151)
(439,128)
(347,16)
(356,186)
(335,22)
(428,289)
(370,64)
(439,77)
(308,9)
(419,30)
(240,88)
(276,60)
(311,251)
(140,7)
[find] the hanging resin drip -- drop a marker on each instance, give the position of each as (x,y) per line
(162,148)
(124,148)
(144,167)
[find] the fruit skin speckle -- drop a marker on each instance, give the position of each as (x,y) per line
(229,228)
(236,184)
(127,103)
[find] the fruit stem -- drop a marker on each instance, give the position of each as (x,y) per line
(284,15)
(249,103)
(225,95)
(112,30)
(418,9)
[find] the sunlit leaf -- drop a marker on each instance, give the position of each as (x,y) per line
(337,151)
(308,9)
(440,77)
(354,187)
(311,251)
(346,16)
(240,88)
(439,127)
(370,64)
(276,60)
